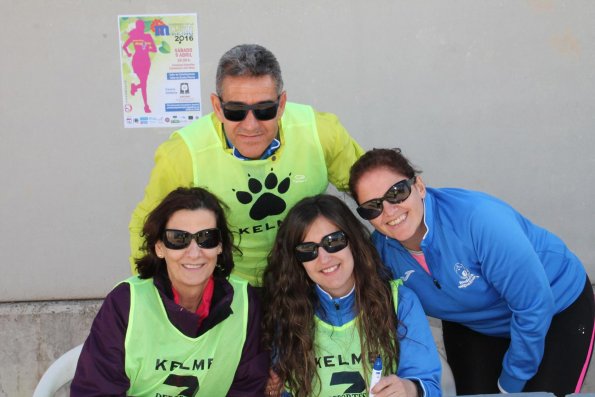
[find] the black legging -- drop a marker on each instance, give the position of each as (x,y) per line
(476,359)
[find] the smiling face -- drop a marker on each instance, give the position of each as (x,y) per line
(332,272)
(250,136)
(189,268)
(403,221)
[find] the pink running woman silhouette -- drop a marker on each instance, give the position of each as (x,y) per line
(141,62)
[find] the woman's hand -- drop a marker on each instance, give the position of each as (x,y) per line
(392,385)
(274,385)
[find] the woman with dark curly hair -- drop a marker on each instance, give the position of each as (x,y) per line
(183,326)
(331,308)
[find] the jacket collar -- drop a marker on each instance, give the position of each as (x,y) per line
(335,311)
(428,218)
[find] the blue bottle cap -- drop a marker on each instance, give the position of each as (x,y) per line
(378,364)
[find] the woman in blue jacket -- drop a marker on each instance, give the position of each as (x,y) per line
(516,305)
(332,309)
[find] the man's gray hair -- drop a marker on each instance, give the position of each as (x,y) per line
(250,60)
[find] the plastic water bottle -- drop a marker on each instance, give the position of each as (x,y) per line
(376,374)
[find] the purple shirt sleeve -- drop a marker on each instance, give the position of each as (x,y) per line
(100,369)
(253,370)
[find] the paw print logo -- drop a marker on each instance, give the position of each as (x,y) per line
(267,203)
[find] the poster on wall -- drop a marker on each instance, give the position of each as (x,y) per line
(160,69)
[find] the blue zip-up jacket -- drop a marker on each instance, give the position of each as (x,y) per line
(491,270)
(418,359)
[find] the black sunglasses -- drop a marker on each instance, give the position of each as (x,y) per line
(334,242)
(396,194)
(234,111)
(179,239)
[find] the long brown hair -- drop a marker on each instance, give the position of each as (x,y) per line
(291,299)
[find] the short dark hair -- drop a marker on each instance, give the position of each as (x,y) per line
(391,159)
(182,198)
(250,60)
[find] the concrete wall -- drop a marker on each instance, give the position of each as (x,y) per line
(489,95)
(35,334)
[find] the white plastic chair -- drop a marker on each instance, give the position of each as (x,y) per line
(58,374)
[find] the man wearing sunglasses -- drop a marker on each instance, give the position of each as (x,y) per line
(257,152)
